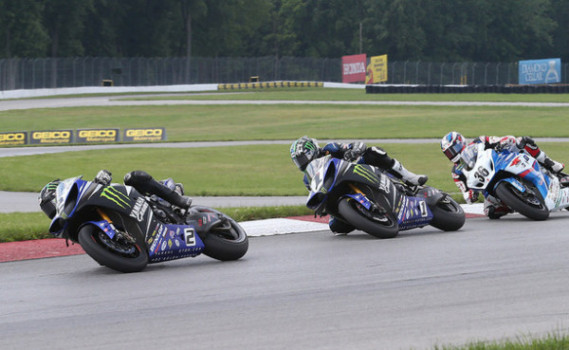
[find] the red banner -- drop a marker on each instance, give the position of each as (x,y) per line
(354,68)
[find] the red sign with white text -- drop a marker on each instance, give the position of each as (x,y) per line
(354,68)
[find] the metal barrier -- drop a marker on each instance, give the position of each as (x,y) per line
(40,73)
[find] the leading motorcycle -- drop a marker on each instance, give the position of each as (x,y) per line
(124,230)
(516,179)
(371,201)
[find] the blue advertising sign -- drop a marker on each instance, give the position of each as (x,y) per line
(547,71)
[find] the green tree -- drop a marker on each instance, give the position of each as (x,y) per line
(21,30)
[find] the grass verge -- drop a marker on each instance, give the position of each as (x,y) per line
(28,226)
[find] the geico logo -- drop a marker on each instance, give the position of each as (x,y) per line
(12,137)
(51,135)
(97,133)
(144,132)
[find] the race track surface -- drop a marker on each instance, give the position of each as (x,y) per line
(492,279)
(312,290)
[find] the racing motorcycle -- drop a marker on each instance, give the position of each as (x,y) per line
(516,179)
(124,230)
(369,200)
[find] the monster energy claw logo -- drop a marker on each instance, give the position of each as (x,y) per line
(365,173)
(116,197)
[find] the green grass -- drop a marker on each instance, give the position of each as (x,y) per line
(284,122)
(322,94)
(553,341)
(264,170)
(27,226)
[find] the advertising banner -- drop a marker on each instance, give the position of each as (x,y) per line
(13,138)
(51,136)
(546,71)
(97,135)
(144,135)
(354,68)
(377,70)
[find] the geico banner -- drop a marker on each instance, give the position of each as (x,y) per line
(354,68)
(547,71)
(97,135)
(51,136)
(13,138)
(144,135)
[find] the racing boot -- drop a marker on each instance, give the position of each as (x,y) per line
(553,166)
(494,208)
(410,178)
(550,164)
(145,184)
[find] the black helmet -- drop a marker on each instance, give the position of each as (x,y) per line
(47,198)
(303,151)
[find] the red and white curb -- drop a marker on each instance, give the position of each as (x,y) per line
(47,248)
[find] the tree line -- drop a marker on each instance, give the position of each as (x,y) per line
(415,30)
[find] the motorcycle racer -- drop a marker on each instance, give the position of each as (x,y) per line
(143,182)
(306,149)
(453,144)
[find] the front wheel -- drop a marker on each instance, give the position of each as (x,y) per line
(448,215)
(118,255)
(374,222)
(526,203)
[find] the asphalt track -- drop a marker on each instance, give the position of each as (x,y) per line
(490,280)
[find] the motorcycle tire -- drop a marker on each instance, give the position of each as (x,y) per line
(122,257)
(225,244)
(525,203)
(448,215)
(376,224)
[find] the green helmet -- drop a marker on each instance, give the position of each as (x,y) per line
(303,151)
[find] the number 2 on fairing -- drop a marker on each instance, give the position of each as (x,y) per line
(190,236)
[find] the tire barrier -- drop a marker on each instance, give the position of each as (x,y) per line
(458,89)
(271,85)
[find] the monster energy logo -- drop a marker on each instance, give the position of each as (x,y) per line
(115,196)
(365,173)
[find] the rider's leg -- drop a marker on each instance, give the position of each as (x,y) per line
(377,157)
(145,184)
(532,148)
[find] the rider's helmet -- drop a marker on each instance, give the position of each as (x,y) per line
(46,198)
(452,145)
(303,151)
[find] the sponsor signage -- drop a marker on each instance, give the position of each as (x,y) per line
(377,70)
(546,71)
(13,138)
(97,135)
(144,134)
(354,68)
(51,136)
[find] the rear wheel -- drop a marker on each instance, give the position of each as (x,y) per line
(226,241)
(528,203)
(448,215)
(376,222)
(118,255)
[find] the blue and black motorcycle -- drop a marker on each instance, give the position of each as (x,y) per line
(124,230)
(369,200)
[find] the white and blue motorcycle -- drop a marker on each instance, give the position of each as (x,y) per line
(516,179)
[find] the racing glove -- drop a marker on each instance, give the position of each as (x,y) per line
(356,149)
(470,196)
